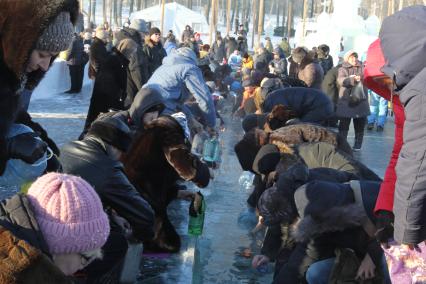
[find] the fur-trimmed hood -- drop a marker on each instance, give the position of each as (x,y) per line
(301,133)
(149,42)
(21,24)
(329,206)
(22,263)
(333,220)
(23,252)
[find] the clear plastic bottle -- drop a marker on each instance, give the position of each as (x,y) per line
(211,151)
(198,143)
(246,180)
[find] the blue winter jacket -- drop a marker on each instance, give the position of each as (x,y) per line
(176,80)
(169,46)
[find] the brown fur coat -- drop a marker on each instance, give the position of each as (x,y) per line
(296,134)
(158,157)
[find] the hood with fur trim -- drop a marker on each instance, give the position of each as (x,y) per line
(330,207)
(22,263)
(149,43)
(21,24)
(333,220)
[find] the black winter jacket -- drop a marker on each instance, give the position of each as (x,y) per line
(154,54)
(338,226)
(89,159)
(109,91)
(218,52)
(330,86)
(326,64)
(138,68)
(98,54)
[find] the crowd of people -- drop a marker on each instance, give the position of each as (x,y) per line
(327,215)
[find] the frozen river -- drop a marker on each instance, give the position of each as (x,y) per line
(223,253)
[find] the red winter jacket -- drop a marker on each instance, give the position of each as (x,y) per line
(387,189)
(373,64)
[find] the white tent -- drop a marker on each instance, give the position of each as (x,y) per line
(176,17)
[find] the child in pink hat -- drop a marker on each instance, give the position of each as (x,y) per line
(55,230)
(71,218)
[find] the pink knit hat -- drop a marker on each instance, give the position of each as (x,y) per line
(69,213)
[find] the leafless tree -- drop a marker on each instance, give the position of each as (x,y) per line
(131,4)
(93,11)
(104,10)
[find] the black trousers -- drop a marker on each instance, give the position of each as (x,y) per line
(359,124)
(110,265)
(76,74)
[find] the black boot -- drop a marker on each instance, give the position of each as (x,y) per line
(343,134)
(358,141)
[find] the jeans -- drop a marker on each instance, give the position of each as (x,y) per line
(378,109)
(319,272)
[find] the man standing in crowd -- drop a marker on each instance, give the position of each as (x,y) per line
(98,52)
(153,50)
(186,35)
(77,59)
(139,66)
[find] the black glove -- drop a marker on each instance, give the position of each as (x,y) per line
(26,147)
(384,226)
(202,177)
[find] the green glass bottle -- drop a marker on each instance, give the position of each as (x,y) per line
(197,211)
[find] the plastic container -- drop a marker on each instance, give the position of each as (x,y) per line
(246,180)
(211,151)
(18,172)
(198,143)
(197,210)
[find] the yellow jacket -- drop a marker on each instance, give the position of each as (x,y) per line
(248,63)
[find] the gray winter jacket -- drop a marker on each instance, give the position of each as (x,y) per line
(403,42)
(76,54)
(346,83)
(177,79)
